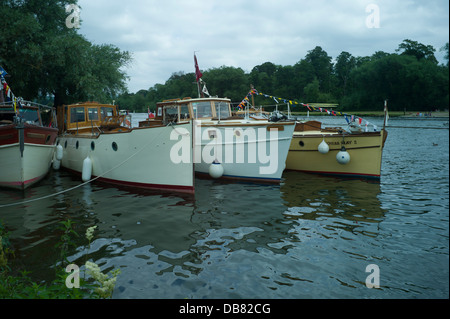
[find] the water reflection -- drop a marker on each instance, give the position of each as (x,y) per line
(310,196)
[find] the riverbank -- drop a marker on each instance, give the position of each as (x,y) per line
(381,114)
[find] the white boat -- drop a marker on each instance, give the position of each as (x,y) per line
(227,146)
(96,142)
(27,143)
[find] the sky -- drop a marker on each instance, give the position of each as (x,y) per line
(162,35)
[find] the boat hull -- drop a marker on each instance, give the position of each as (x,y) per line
(365,150)
(140,157)
(25,158)
(248,151)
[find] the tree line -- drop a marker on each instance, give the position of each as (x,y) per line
(411,79)
(51,63)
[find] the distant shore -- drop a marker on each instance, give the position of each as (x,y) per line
(381,114)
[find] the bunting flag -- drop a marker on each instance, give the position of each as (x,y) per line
(346,118)
(310,107)
(205,90)
(8,94)
(2,72)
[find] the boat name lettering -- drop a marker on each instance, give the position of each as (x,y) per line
(342,143)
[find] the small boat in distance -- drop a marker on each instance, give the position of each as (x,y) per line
(96,142)
(27,142)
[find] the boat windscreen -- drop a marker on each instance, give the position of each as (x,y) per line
(202,109)
(222,109)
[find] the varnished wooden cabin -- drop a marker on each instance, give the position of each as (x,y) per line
(91,118)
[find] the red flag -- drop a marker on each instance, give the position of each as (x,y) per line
(198,74)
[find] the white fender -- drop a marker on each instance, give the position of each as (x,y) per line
(216,170)
(87,169)
(59,152)
(343,157)
(56,164)
(323,147)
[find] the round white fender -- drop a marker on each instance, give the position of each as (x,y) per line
(216,170)
(87,169)
(343,157)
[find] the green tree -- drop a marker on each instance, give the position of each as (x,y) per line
(312,91)
(345,63)
(419,50)
(322,67)
(227,82)
(445,49)
(262,76)
(46,58)
(304,74)
(406,82)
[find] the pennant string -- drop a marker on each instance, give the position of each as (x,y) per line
(310,107)
(10,97)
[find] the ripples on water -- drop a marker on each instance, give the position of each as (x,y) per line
(309,237)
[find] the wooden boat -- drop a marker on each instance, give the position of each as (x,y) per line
(346,151)
(27,142)
(96,142)
(336,151)
(227,146)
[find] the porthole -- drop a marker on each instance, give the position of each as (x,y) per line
(114,146)
(77,144)
(92,145)
(301,143)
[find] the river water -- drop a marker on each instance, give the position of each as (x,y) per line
(309,237)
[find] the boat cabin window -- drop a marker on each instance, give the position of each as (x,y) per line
(106,111)
(7,114)
(202,109)
(30,116)
(222,109)
(92,114)
(6,118)
(77,114)
(184,112)
(171,113)
(46,117)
